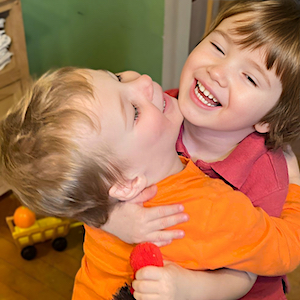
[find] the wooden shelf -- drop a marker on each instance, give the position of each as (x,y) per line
(15,76)
(17,69)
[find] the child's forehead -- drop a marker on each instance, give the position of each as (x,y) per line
(231,23)
(100,81)
(229,30)
(233,30)
(96,77)
(106,98)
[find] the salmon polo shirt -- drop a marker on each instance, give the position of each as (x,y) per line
(261,175)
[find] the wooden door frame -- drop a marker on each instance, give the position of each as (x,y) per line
(175,40)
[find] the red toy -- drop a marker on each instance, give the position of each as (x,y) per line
(145,254)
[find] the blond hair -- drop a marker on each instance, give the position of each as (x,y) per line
(42,157)
(275,25)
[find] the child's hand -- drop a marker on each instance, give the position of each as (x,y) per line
(133,224)
(293,166)
(173,282)
(161,283)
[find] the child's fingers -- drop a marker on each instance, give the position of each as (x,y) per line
(159,219)
(170,220)
(162,243)
(146,286)
(146,289)
(162,217)
(155,221)
(148,273)
(160,212)
(142,296)
(163,238)
(154,283)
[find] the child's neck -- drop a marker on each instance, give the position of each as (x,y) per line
(177,165)
(171,166)
(209,145)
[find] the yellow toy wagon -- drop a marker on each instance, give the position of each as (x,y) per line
(48,228)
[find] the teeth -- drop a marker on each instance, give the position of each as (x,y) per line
(206,93)
(164,105)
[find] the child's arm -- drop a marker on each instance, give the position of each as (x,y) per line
(176,283)
(149,224)
(276,245)
(293,166)
(255,242)
(181,283)
(273,252)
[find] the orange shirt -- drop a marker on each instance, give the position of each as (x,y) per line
(224,230)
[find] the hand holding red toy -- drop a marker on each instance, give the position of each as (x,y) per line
(145,254)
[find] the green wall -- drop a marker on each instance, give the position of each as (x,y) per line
(108,34)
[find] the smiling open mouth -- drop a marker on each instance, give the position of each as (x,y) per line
(205,96)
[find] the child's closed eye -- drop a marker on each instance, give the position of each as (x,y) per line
(136,112)
(218,48)
(251,80)
(119,77)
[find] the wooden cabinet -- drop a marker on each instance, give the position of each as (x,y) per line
(14,77)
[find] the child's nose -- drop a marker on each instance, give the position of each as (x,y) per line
(219,73)
(144,87)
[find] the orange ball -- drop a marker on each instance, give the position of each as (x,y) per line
(24,217)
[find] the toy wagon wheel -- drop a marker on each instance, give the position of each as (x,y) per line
(60,244)
(28,252)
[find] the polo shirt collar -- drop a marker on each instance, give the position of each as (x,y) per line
(237,166)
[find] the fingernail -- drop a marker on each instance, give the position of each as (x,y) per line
(185,217)
(181,234)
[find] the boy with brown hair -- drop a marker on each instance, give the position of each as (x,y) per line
(239,95)
(80,139)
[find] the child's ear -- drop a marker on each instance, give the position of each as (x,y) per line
(262,127)
(129,189)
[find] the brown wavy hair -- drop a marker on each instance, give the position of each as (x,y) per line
(275,25)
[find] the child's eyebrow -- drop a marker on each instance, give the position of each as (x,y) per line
(113,75)
(123,110)
(224,35)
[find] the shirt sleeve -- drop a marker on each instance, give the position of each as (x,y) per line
(232,233)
